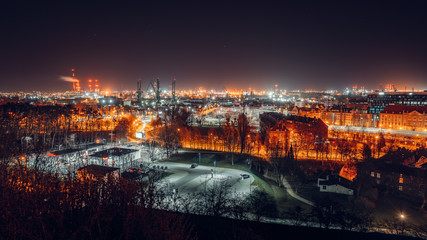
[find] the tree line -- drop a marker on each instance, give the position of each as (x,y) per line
(25,128)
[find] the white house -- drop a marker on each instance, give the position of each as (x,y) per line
(334,184)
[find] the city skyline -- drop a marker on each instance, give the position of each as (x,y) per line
(309,45)
(213,120)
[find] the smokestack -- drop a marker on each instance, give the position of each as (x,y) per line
(74,82)
(90,85)
(77,85)
(96,85)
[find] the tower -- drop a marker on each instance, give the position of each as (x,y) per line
(173,98)
(157,91)
(90,85)
(155,84)
(139,91)
(77,85)
(96,85)
(74,81)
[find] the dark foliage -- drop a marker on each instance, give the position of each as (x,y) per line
(37,205)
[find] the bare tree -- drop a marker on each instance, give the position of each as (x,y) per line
(243,130)
(152,150)
(231,137)
(260,204)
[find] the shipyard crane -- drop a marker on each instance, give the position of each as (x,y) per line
(139,86)
(155,85)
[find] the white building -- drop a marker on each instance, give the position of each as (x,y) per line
(334,184)
(123,158)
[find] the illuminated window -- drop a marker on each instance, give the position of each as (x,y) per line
(400,188)
(401,180)
(372,174)
(378,175)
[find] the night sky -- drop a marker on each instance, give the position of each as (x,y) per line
(214,44)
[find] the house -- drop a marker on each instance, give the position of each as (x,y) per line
(334,184)
(399,178)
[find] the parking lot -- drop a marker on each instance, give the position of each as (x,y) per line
(185,178)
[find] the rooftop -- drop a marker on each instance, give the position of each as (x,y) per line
(98,169)
(66,151)
(73,150)
(399,93)
(336,180)
(113,152)
(398,109)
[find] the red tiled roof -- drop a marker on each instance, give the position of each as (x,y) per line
(398,109)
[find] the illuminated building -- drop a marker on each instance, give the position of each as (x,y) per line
(412,118)
(378,101)
(280,134)
(123,158)
(110,101)
(340,116)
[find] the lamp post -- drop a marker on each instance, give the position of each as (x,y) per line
(402,222)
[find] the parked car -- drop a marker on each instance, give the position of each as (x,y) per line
(244,175)
(194,165)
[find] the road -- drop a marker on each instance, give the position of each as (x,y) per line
(379,130)
(186,179)
(291,192)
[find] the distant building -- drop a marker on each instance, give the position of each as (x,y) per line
(280,134)
(379,101)
(347,117)
(401,117)
(110,101)
(337,115)
(76,155)
(122,158)
(72,101)
(312,127)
